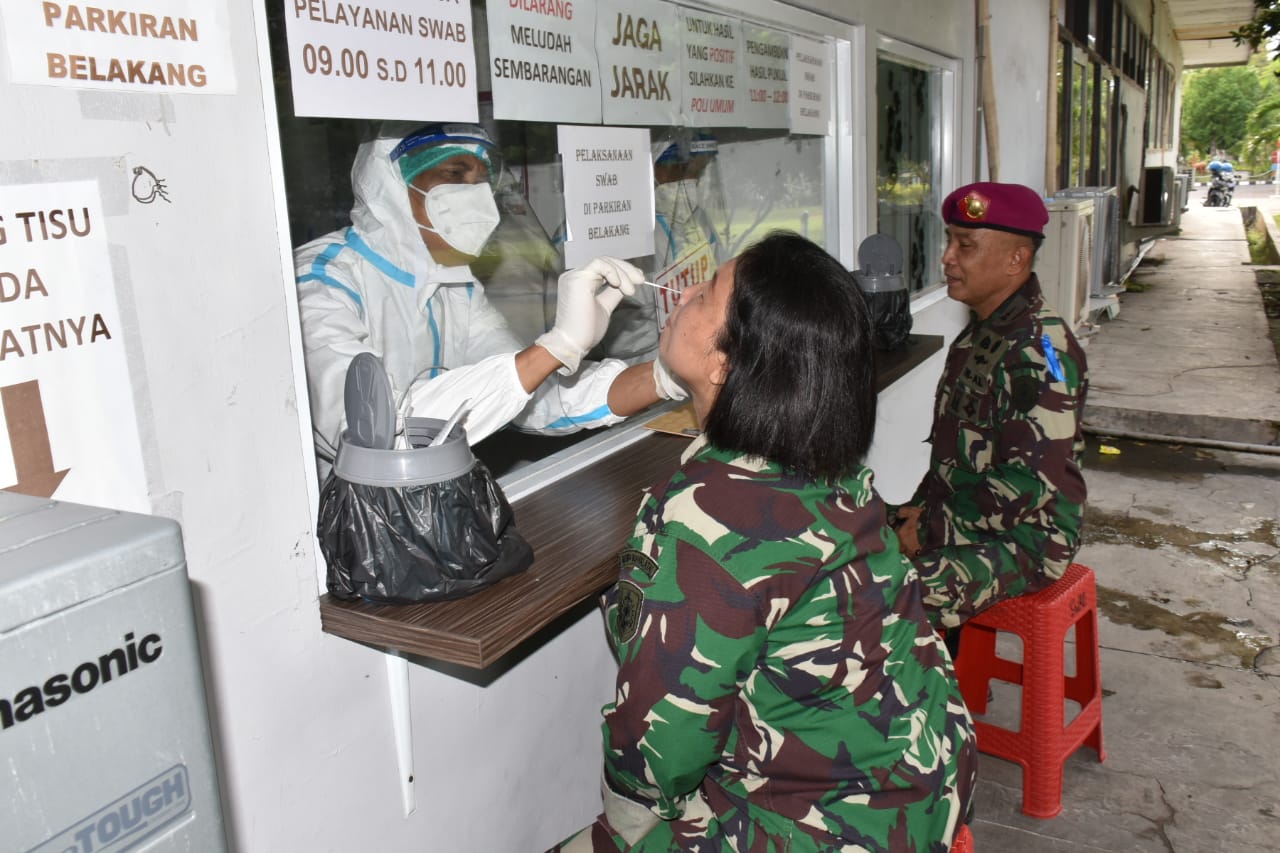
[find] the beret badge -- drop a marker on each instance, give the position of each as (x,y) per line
(973,207)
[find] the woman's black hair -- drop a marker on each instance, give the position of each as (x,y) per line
(800,385)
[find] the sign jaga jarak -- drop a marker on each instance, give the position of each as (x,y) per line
(391,59)
(639,46)
(70,427)
(608,192)
(176,46)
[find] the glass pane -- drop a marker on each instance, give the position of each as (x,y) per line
(1079,115)
(720,190)
(909,152)
(1104,130)
(1060,143)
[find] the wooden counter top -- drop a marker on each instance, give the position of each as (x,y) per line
(576,526)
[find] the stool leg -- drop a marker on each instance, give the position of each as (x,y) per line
(973,666)
(1085,686)
(1042,722)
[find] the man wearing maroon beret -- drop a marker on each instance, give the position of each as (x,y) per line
(998,513)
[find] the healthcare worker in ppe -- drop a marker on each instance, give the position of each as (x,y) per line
(680,195)
(396,284)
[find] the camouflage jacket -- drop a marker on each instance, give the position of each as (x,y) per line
(1007,442)
(779,686)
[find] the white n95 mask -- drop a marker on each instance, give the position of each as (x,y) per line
(464,215)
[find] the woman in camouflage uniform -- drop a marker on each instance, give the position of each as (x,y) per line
(779,685)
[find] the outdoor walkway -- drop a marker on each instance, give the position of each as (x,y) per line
(1184,540)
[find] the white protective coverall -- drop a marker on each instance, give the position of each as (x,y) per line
(374,287)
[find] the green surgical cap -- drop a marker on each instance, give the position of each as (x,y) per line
(416,162)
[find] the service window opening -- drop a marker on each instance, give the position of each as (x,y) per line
(716,189)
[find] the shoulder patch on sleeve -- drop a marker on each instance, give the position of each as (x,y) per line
(631,560)
(630,604)
(1025,391)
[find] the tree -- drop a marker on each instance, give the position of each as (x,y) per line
(1216,103)
(1263,29)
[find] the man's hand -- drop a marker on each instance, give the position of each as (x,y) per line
(907,526)
(584,300)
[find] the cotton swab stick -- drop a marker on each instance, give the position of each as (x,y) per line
(661,287)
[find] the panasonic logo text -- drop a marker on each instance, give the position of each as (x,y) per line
(83,678)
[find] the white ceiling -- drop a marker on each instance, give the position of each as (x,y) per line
(1203,29)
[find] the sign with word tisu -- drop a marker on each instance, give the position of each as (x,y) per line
(639,45)
(710,68)
(608,192)
(395,59)
(765,60)
(811,69)
(543,60)
(134,46)
(69,424)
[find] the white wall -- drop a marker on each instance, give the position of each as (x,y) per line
(1018,48)
(301,719)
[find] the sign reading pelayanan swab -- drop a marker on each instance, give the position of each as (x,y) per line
(390,59)
(711,66)
(137,46)
(543,60)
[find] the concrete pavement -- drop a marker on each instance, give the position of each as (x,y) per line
(1184,540)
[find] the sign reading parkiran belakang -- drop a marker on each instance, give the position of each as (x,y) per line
(133,46)
(711,67)
(810,72)
(765,59)
(69,424)
(640,47)
(608,192)
(392,59)
(543,60)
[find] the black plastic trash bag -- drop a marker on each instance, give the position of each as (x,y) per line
(882,284)
(407,544)
(425,521)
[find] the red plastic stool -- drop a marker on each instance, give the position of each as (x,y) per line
(963,842)
(1042,619)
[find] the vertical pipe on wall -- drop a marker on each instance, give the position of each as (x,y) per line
(1051,105)
(990,122)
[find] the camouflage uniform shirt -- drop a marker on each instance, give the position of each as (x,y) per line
(1004,495)
(779,686)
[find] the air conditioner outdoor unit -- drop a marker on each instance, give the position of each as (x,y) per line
(1156,199)
(1106,236)
(1065,261)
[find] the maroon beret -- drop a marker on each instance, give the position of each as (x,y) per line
(1004,207)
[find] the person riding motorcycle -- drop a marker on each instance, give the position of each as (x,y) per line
(1222,184)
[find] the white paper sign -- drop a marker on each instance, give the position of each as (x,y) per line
(766,65)
(70,427)
(811,65)
(133,46)
(711,69)
(640,48)
(395,59)
(608,192)
(543,61)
